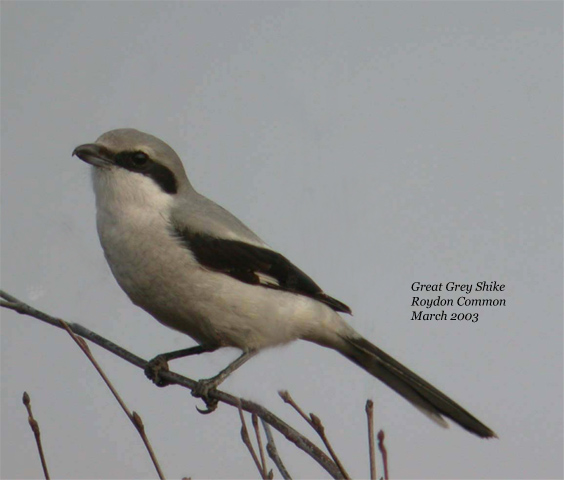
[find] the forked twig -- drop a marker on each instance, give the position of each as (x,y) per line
(36,432)
(384,453)
(254,418)
(247,441)
(315,422)
(371,452)
(133,416)
(273,452)
(292,435)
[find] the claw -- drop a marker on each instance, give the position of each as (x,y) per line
(211,406)
(153,370)
(201,390)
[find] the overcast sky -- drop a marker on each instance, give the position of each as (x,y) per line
(375,144)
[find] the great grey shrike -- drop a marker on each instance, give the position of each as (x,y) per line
(199,270)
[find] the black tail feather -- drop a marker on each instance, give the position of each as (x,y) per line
(412,387)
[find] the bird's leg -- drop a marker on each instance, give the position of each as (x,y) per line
(207,384)
(160,362)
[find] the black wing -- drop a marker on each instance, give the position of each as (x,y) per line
(254,265)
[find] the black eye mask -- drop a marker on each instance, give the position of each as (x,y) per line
(140,162)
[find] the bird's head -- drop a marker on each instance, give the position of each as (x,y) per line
(129,164)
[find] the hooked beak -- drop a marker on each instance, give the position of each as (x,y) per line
(94,154)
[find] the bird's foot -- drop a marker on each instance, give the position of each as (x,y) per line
(154,368)
(201,390)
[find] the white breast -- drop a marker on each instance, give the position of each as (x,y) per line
(160,275)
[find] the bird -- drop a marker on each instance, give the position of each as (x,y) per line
(199,270)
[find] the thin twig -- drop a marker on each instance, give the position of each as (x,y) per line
(133,416)
(320,429)
(36,432)
(292,435)
(273,452)
(11,305)
(285,395)
(247,441)
(254,419)
(371,452)
(384,453)
(24,309)
(315,422)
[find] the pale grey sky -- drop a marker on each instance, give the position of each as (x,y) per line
(375,144)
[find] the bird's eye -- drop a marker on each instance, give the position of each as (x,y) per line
(139,159)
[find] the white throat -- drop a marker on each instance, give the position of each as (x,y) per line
(120,191)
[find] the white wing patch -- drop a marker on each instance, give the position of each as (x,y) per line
(265,279)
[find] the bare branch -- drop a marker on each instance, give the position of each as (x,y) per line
(371,451)
(384,453)
(320,429)
(259,442)
(273,452)
(290,433)
(36,432)
(285,395)
(133,417)
(247,441)
(315,422)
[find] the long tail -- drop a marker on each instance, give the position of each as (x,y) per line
(412,387)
